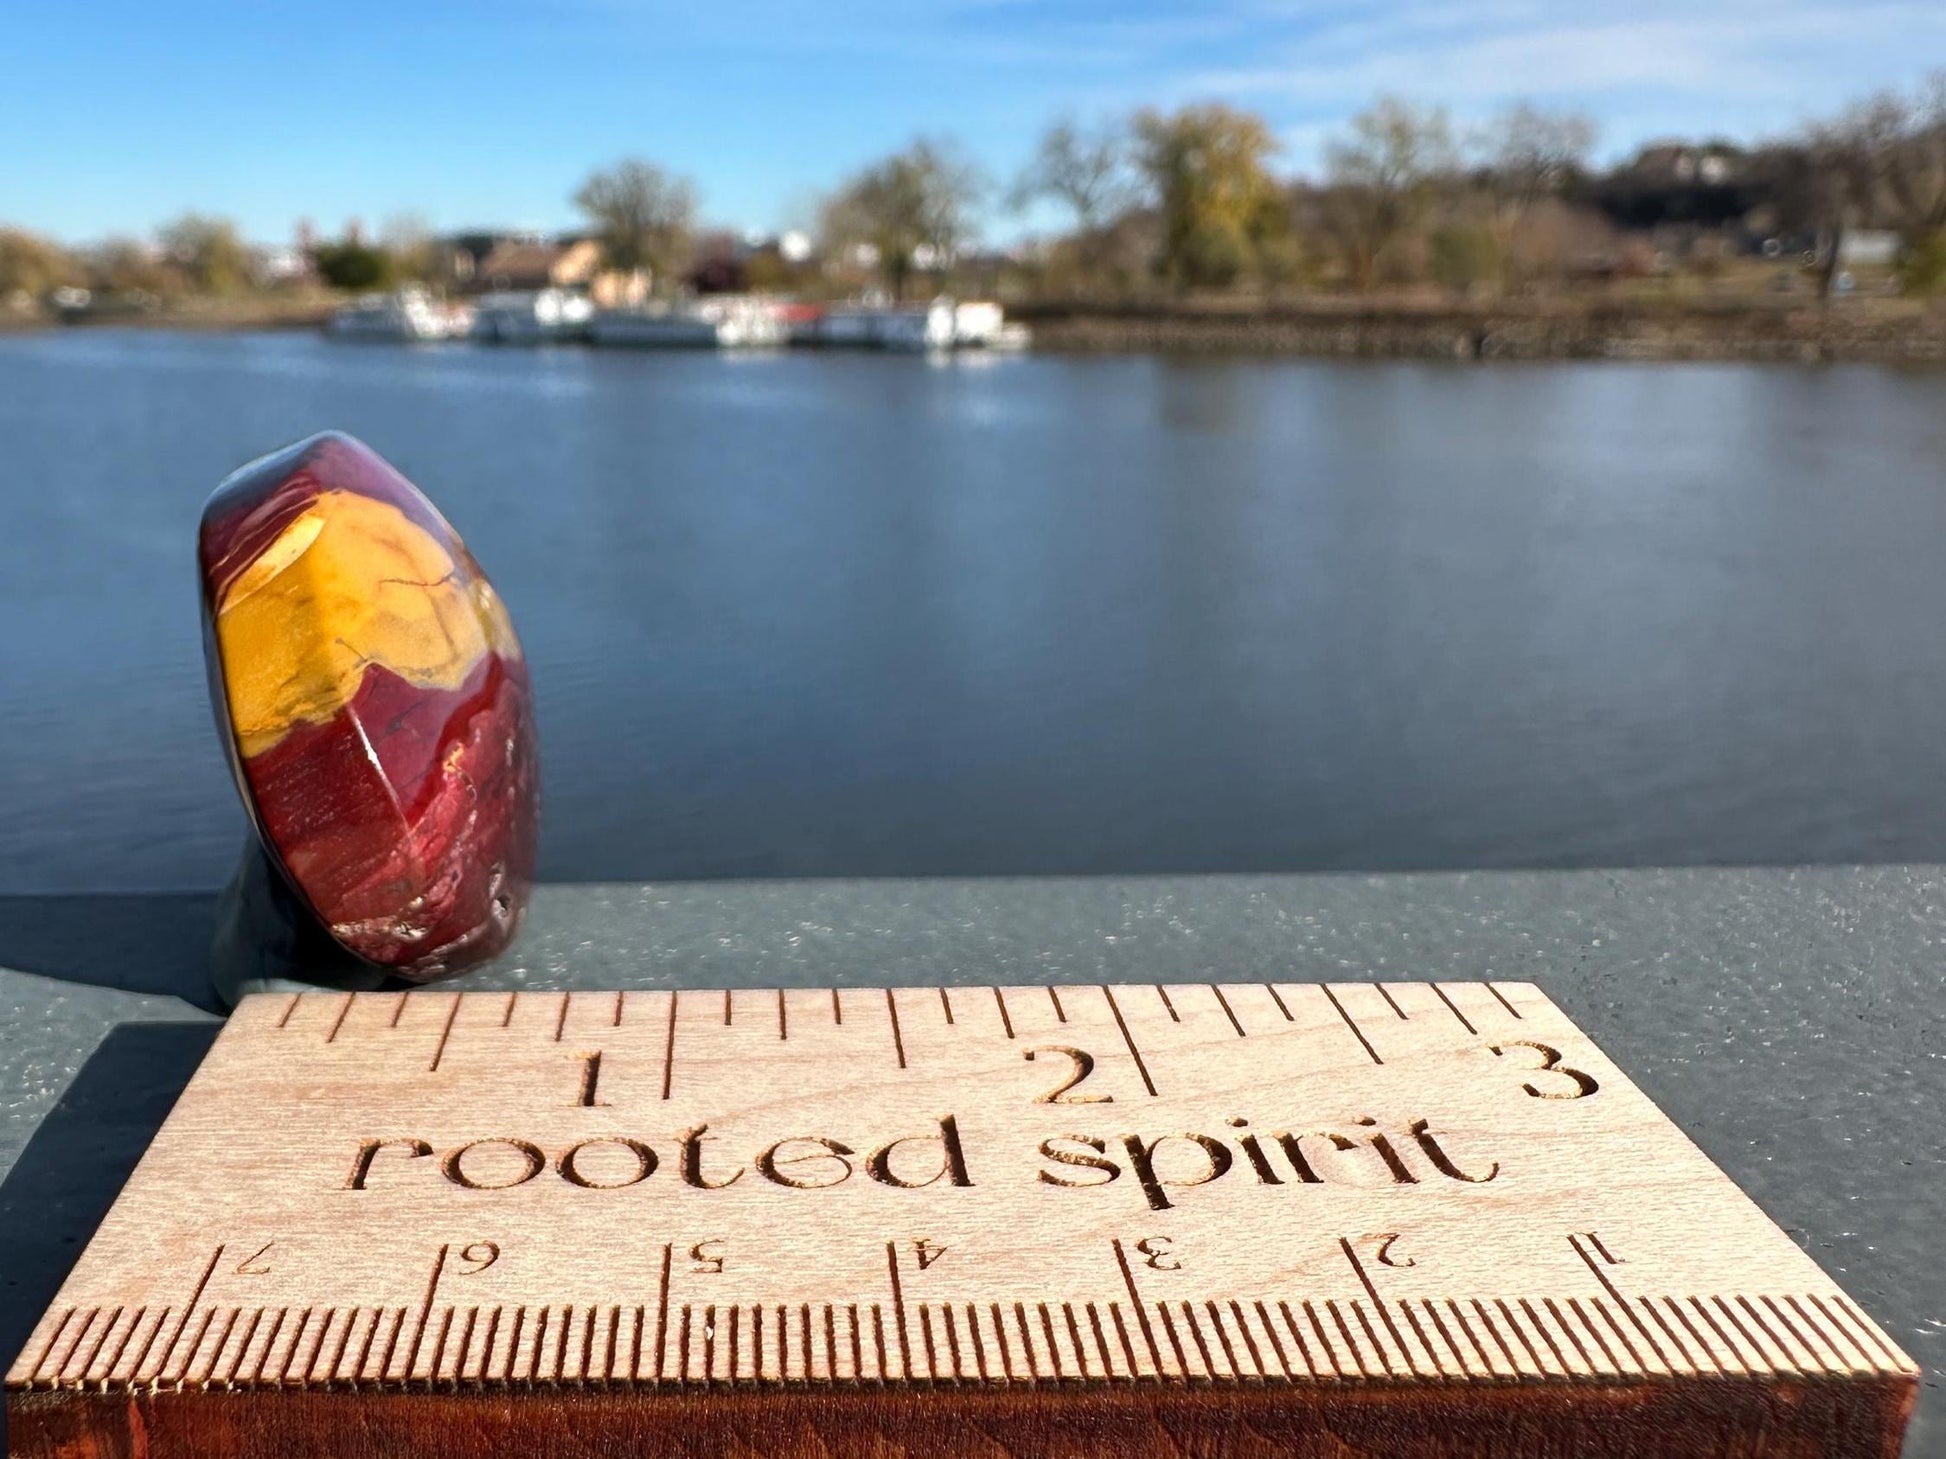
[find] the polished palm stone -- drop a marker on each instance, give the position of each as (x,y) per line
(375,704)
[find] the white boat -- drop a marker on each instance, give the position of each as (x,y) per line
(722,322)
(532,317)
(746,322)
(943,324)
(409,313)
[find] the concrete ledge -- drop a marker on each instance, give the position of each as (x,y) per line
(1793,1022)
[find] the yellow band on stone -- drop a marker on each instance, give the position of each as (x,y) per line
(349,582)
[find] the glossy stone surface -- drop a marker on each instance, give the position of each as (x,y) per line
(375,704)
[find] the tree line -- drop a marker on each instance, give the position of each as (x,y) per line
(1192,201)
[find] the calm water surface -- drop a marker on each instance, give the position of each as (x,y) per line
(845,614)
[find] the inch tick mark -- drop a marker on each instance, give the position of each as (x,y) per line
(1357,1032)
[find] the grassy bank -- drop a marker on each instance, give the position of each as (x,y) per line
(276,311)
(1886,330)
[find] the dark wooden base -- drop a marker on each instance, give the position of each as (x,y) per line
(1723,1418)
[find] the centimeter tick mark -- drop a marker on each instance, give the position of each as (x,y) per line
(425,1312)
(662,1310)
(1384,1314)
(189,1309)
(1607,1285)
(48,1351)
(1135,1300)
(898,1312)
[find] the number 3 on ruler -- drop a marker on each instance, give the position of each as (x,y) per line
(1584,1084)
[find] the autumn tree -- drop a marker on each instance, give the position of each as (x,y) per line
(1384,178)
(31,265)
(644,216)
(128,266)
(1207,173)
(912,209)
(209,251)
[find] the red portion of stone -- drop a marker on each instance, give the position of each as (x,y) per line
(417,854)
(407,821)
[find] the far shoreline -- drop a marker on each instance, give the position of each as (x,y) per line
(1876,331)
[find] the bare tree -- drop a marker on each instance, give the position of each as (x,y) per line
(644,216)
(1528,159)
(1087,173)
(1915,160)
(913,209)
(1531,154)
(1383,179)
(1881,163)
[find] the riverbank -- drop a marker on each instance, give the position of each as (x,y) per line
(1893,331)
(310,310)
(1858,330)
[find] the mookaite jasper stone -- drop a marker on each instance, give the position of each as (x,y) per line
(375,703)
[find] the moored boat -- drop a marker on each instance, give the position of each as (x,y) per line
(542,316)
(720,322)
(944,324)
(409,313)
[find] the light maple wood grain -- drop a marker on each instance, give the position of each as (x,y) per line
(1238,1219)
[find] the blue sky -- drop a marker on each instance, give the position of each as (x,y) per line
(117,114)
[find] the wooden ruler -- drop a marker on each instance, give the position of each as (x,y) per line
(1293,1219)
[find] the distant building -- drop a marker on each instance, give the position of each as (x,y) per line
(540,264)
(1703,186)
(279,264)
(485,262)
(1869,246)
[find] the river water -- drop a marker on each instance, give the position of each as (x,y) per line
(846,614)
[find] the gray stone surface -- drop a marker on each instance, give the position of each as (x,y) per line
(1792,1021)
